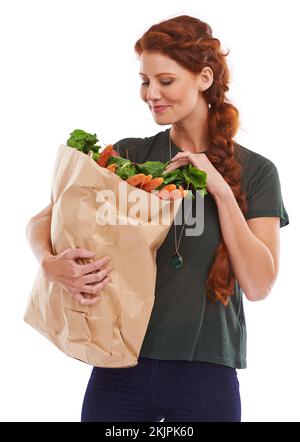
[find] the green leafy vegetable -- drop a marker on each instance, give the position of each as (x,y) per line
(96,156)
(176,177)
(195,176)
(154,168)
(125,167)
(83,141)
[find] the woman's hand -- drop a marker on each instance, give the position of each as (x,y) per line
(75,278)
(215,183)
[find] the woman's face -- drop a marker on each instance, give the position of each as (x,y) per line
(165,83)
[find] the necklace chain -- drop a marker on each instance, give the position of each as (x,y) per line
(177,244)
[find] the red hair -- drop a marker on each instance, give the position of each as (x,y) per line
(189,42)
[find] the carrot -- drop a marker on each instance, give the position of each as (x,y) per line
(163,194)
(153,184)
(135,180)
(112,167)
(175,194)
(169,187)
(104,155)
(146,180)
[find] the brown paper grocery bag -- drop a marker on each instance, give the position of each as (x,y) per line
(111,332)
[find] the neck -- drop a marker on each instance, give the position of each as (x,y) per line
(193,138)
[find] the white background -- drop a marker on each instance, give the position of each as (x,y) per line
(71,64)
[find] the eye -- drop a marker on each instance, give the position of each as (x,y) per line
(165,83)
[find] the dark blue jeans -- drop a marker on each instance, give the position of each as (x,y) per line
(155,389)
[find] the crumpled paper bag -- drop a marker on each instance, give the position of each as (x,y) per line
(111,332)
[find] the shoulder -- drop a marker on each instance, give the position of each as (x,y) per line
(138,148)
(123,145)
(250,158)
(254,165)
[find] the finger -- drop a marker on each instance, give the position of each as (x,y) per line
(170,168)
(91,267)
(95,277)
(175,164)
(178,155)
(181,155)
(91,301)
(79,252)
(94,289)
(87,295)
(86,301)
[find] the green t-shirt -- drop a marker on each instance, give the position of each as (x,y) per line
(184,323)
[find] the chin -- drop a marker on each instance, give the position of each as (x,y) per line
(160,123)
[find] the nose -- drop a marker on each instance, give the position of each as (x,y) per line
(153,93)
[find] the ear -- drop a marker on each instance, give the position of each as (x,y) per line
(205,78)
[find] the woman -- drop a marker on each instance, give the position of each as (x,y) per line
(196,336)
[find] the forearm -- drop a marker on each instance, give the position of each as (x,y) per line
(38,234)
(251,260)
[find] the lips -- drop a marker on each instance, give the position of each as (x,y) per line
(159,108)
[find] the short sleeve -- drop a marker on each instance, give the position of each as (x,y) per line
(264,192)
(127,148)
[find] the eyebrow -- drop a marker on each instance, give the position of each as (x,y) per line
(162,73)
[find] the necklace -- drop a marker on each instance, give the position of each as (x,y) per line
(176,260)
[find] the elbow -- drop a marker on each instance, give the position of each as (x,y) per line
(28,228)
(258,294)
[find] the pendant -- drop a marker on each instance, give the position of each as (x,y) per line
(175,261)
